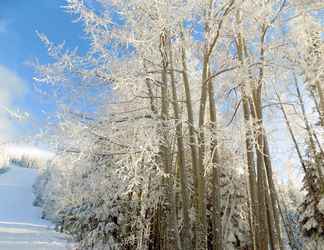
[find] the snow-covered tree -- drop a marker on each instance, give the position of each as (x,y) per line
(150,152)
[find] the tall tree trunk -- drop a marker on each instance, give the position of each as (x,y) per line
(292,135)
(309,182)
(262,185)
(265,177)
(201,154)
(274,220)
(256,240)
(192,135)
(217,229)
(265,168)
(274,202)
(310,136)
(181,159)
(172,233)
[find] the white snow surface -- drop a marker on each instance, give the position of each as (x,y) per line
(21,226)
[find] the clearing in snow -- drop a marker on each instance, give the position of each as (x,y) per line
(21,226)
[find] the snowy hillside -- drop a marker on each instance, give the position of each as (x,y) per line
(21,226)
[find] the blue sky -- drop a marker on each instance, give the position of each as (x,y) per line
(19,21)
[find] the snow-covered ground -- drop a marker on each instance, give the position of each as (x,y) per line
(21,226)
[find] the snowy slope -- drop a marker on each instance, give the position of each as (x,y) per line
(21,226)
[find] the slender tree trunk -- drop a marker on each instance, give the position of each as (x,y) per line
(264,232)
(292,135)
(181,159)
(192,136)
(217,229)
(274,220)
(252,175)
(310,136)
(274,199)
(266,186)
(201,154)
(265,168)
(170,206)
(253,185)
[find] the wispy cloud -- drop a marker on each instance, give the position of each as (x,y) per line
(12,87)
